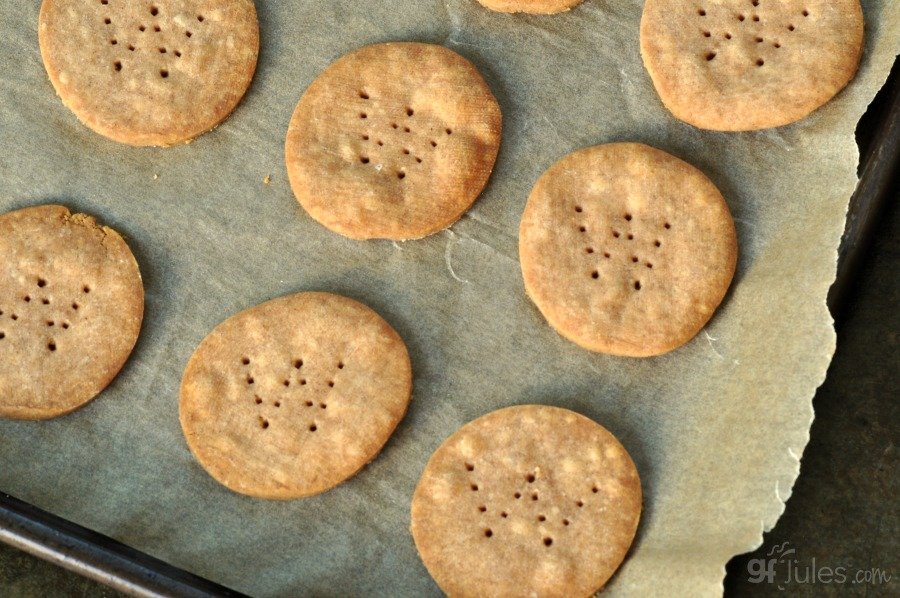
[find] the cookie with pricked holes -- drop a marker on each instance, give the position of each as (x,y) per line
(156,72)
(71,306)
(292,397)
(526,501)
(626,249)
(741,65)
(393,141)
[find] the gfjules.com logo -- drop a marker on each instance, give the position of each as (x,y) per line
(783,568)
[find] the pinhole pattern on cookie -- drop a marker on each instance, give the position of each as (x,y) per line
(395,141)
(640,254)
(742,23)
(290,387)
(157,32)
(71,303)
(409,133)
(626,249)
(533,465)
(331,381)
(531,513)
(42,303)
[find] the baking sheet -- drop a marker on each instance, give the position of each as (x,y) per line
(716,428)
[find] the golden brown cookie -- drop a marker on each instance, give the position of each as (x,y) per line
(526,501)
(71,305)
(154,72)
(741,65)
(536,7)
(393,141)
(626,249)
(292,397)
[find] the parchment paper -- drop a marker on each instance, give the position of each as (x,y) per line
(716,428)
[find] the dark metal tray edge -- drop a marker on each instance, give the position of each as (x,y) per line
(96,556)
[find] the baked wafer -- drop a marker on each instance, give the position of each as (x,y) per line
(526,501)
(150,73)
(292,397)
(393,141)
(740,65)
(71,306)
(537,7)
(626,249)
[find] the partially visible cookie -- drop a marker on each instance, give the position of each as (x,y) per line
(741,65)
(150,73)
(526,501)
(393,141)
(292,397)
(537,7)
(626,249)
(71,306)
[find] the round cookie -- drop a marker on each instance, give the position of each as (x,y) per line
(393,141)
(150,73)
(626,249)
(526,501)
(293,396)
(742,65)
(71,306)
(536,7)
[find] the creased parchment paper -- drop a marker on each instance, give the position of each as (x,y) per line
(716,428)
